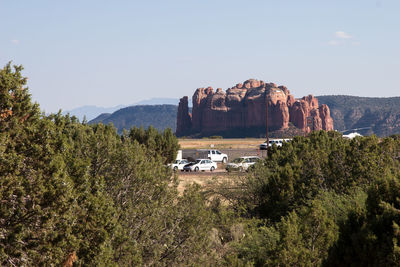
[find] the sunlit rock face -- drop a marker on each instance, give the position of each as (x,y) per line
(244,107)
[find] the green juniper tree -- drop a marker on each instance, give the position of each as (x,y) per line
(84,194)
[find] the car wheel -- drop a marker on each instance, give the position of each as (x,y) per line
(175,169)
(224,160)
(196,169)
(212,169)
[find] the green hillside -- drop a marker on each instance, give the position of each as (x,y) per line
(158,116)
(380,116)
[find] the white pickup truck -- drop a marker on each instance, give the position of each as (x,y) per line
(216,155)
(213,154)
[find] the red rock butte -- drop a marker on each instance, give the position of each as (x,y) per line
(242,110)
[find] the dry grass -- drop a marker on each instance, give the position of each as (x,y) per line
(206,180)
(200,179)
(185,180)
(220,143)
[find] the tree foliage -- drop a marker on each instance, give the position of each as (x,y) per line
(84,194)
(310,200)
(306,166)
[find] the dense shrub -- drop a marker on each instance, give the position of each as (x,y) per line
(84,194)
(309,199)
(78,192)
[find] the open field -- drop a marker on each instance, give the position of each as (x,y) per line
(234,143)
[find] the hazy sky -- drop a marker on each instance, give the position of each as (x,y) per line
(105,53)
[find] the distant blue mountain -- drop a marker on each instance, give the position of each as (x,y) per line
(158,116)
(92,112)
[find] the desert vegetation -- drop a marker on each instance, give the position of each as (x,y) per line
(75,194)
(68,188)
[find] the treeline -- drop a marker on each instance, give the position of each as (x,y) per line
(73,194)
(320,200)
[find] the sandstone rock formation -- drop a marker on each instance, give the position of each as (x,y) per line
(242,108)
(184,118)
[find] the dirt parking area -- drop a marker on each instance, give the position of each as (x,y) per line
(234,148)
(244,143)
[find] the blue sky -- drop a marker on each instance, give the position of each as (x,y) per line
(108,53)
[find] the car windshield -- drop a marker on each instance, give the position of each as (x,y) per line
(177,161)
(238,160)
(198,160)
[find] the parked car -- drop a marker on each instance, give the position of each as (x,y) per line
(212,154)
(242,163)
(178,164)
(201,165)
(277,142)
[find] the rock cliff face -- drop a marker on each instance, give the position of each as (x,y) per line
(242,108)
(366,115)
(184,118)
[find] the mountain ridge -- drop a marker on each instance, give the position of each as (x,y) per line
(158,116)
(92,111)
(380,115)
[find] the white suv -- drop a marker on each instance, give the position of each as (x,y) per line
(216,155)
